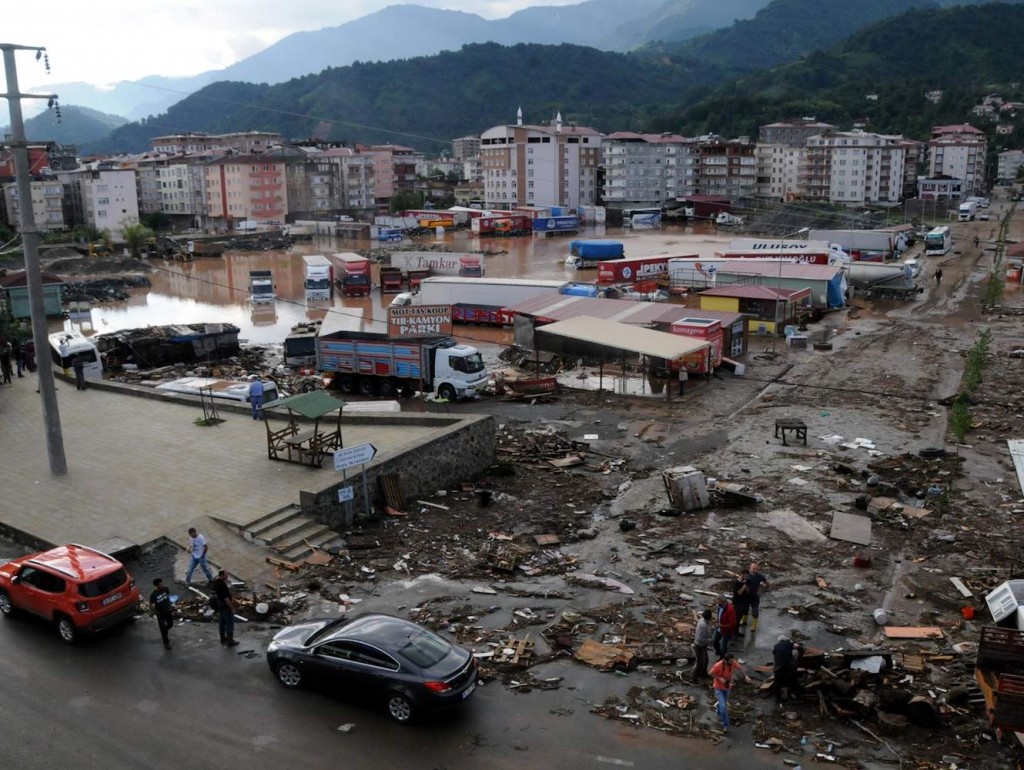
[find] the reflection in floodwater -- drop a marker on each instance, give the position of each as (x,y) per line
(216,290)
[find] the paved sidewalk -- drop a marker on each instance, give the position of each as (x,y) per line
(140,469)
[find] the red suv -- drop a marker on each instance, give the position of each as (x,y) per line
(78,589)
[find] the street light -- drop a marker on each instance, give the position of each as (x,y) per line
(778,285)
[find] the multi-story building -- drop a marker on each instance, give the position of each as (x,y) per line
(466,147)
(944,188)
(47,205)
(394,169)
(647,169)
(958,151)
(727,167)
(854,168)
(101,196)
(913,165)
(1009,165)
(526,165)
(313,182)
(781,152)
(246,187)
(173,185)
(242,142)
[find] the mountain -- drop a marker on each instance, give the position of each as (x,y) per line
(965,51)
(78,125)
(408,31)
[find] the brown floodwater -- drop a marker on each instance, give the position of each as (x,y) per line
(216,290)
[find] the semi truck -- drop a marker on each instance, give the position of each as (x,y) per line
(491,225)
(261,286)
(438,263)
(806,252)
(968,210)
(633,270)
(363,359)
(353,273)
(318,279)
(862,244)
(478,300)
(587,253)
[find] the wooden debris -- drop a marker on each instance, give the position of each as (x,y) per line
(545,540)
(391,486)
(392,512)
(604,656)
(958,584)
(319,558)
(913,632)
(433,505)
(288,565)
(514,652)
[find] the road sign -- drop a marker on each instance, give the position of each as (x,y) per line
(346,493)
(360,454)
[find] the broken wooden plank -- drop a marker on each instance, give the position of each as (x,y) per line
(913,632)
(569,461)
(391,486)
(433,505)
(958,584)
(319,558)
(544,540)
(288,565)
(603,656)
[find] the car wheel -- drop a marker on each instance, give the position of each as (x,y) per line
(6,608)
(66,629)
(288,674)
(399,708)
(447,392)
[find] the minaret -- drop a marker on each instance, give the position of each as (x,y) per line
(558,123)
(519,116)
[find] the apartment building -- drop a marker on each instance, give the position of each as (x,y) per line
(647,169)
(914,153)
(1009,165)
(47,205)
(242,142)
(100,195)
(466,147)
(394,169)
(528,165)
(173,185)
(245,187)
(958,151)
(313,182)
(727,167)
(357,174)
(781,152)
(853,167)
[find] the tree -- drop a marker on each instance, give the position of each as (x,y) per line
(157,220)
(135,236)
(407,199)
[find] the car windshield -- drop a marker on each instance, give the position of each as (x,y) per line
(104,585)
(474,363)
(425,649)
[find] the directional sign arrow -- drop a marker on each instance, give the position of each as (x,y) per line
(360,454)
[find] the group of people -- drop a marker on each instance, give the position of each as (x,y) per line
(15,354)
(715,630)
(221,601)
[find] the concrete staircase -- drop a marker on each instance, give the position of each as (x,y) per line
(291,533)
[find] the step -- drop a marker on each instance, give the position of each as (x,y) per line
(301,550)
(311,530)
(285,533)
(257,528)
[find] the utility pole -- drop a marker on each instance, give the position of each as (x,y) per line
(30,241)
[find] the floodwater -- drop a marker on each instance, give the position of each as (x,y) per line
(216,290)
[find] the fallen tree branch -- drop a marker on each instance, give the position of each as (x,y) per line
(884,743)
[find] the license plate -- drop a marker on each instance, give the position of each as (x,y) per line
(111,599)
(469,690)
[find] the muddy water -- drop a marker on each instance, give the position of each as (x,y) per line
(216,290)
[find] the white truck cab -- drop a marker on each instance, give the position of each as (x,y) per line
(459,372)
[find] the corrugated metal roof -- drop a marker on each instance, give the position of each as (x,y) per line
(563,308)
(620,336)
(752,292)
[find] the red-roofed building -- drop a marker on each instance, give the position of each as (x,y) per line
(958,152)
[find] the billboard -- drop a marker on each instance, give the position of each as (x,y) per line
(419,321)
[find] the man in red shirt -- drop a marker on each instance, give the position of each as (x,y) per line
(723,673)
(727,623)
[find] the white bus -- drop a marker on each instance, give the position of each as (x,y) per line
(78,347)
(938,242)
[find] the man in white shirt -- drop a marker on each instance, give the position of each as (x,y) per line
(197,549)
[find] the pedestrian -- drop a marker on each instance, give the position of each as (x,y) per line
(79,367)
(722,674)
(786,656)
(256,398)
(741,600)
(701,642)
(683,377)
(225,609)
(197,548)
(726,626)
(938,276)
(30,355)
(757,583)
(19,357)
(64,351)
(5,361)
(976,241)
(160,601)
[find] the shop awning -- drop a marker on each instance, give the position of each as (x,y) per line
(583,334)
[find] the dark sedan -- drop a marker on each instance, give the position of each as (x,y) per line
(385,659)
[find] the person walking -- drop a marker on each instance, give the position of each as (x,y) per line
(160,601)
(29,349)
(741,600)
(64,351)
(5,361)
(683,377)
(722,675)
(79,367)
(256,398)
(197,548)
(756,584)
(726,626)
(701,642)
(225,609)
(19,357)
(786,655)
(938,276)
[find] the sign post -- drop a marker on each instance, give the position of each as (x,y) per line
(349,457)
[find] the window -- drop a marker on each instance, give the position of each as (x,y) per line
(104,585)
(43,581)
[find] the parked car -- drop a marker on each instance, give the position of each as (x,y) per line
(375,657)
(984,216)
(77,589)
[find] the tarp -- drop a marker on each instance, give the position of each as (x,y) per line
(310,405)
(613,336)
(836,291)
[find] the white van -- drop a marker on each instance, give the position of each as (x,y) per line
(78,346)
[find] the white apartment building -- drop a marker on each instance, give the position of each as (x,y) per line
(466,147)
(958,151)
(104,198)
(357,174)
(47,205)
(853,167)
(526,165)
(778,171)
(1009,165)
(647,169)
(173,185)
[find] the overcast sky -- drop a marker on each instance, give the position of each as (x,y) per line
(104,41)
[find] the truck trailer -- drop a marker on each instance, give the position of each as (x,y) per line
(364,360)
(478,300)
(438,263)
(861,244)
